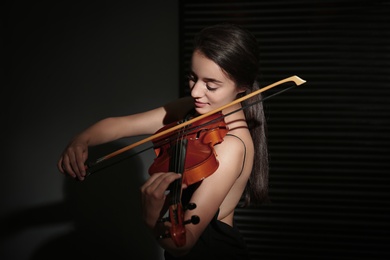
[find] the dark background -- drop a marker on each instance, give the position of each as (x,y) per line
(68,65)
(328,139)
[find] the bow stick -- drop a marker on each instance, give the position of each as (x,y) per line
(297,80)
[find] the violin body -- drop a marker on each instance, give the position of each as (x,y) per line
(200,159)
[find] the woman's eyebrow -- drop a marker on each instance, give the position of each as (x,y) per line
(212,80)
(192,73)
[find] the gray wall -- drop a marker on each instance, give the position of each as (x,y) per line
(67,67)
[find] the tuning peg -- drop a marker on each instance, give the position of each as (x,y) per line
(190,206)
(194,220)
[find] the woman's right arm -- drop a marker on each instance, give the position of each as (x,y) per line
(73,158)
(72,161)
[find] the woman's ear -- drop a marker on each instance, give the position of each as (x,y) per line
(240,94)
(241,91)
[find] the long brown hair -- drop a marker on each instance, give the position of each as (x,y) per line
(236,51)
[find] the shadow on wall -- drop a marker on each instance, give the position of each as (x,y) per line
(104,210)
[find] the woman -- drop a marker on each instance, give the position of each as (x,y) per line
(224,66)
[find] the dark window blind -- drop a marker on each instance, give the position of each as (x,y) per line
(329,139)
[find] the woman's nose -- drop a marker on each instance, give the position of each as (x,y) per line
(197,89)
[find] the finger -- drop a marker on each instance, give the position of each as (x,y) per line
(59,165)
(75,162)
(156,179)
(81,155)
(66,166)
(150,180)
(158,187)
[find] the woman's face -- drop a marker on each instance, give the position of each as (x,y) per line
(210,86)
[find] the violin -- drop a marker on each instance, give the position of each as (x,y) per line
(189,151)
(187,147)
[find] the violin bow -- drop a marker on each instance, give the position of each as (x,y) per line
(295,79)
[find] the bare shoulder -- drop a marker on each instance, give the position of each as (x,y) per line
(236,153)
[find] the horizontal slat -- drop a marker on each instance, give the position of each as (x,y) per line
(329,139)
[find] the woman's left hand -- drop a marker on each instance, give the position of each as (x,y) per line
(153,196)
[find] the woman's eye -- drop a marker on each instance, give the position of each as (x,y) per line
(210,88)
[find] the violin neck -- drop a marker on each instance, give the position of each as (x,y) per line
(176,164)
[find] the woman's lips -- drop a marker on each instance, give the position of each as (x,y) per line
(200,104)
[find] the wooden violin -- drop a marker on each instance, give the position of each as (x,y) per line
(189,151)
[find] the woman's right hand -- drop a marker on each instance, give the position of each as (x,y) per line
(72,160)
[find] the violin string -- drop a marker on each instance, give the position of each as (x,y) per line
(178,166)
(177,150)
